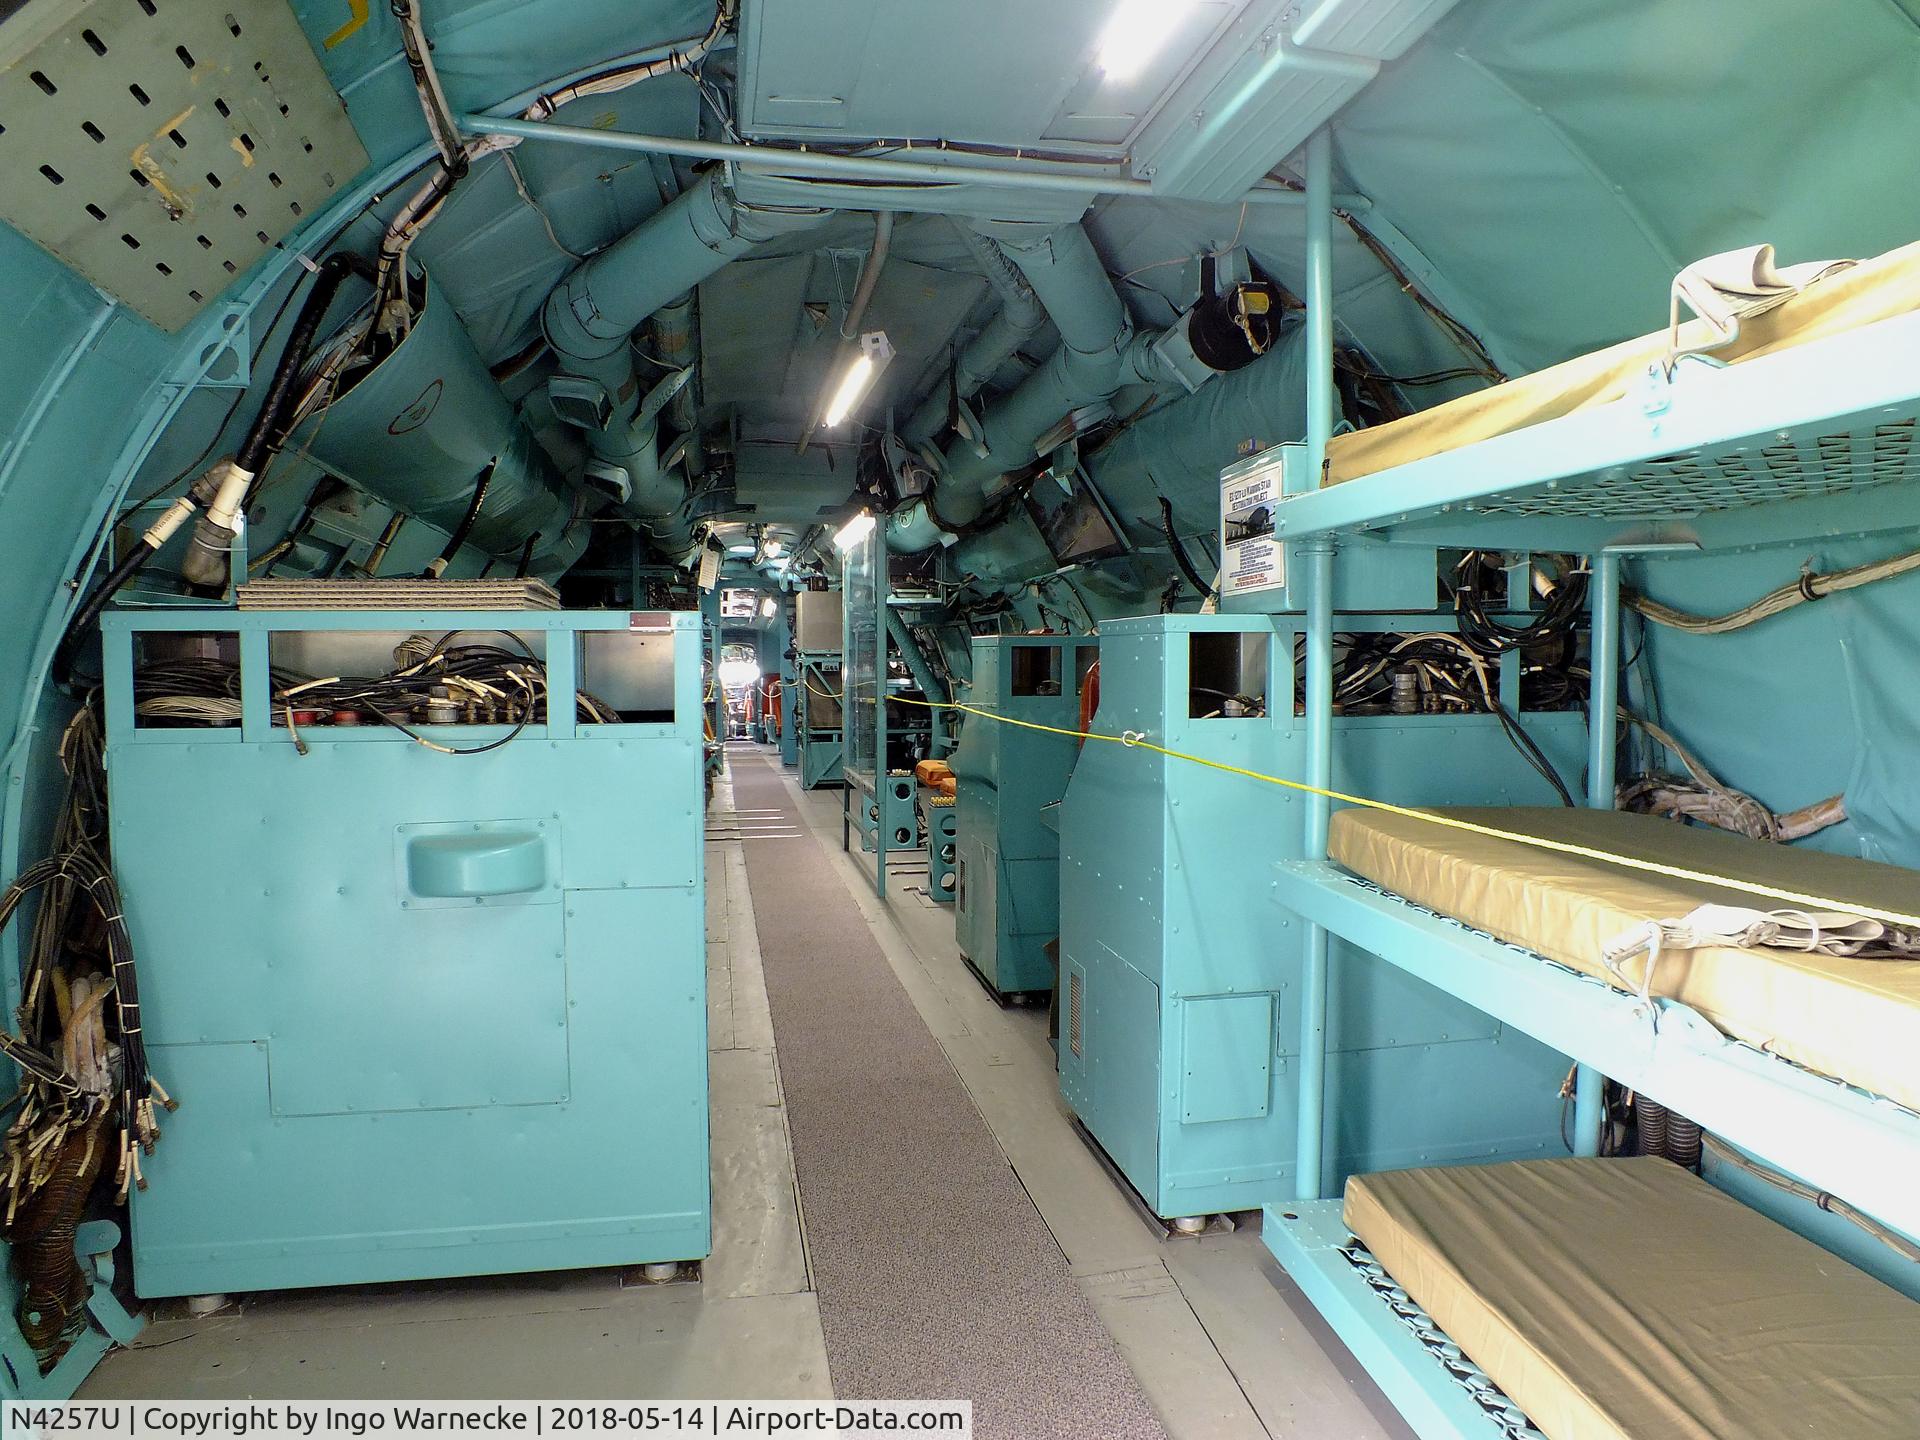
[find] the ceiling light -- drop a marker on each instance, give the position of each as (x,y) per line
(854,531)
(1137,29)
(771,547)
(739,549)
(862,371)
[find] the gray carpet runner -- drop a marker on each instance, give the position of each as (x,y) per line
(937,1277)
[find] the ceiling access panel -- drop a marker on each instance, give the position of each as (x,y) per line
(989,72)
(1378,29)
(1254,102)
(1282,71)
(161,147)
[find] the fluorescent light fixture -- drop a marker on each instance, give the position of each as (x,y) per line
(739,549)
(767,607)
(1137,29)
(865,367)
(854,531)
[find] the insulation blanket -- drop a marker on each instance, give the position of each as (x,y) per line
(1860,295)
(1857,1020)
(1629,1299)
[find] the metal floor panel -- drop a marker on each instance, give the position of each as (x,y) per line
(1231,1322)
(634,1343)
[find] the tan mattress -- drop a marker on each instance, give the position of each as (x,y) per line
(1858,1020)
(1630,1300)
(1876,289)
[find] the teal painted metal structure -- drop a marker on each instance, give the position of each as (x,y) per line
(1835,1137)
(1812,442)
(440,1014)
(819,719)
(1313,1245)
(792,699)
(940,826)
(877,804)
(1183,994)
(1007,884)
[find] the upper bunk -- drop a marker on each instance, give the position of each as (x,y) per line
(1803,1056)
(1785,432)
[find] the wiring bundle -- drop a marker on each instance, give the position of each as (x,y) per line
(433,682)
(85,1106)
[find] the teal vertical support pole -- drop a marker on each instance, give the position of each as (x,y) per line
(717,701)
(563,683)
(1604,695)
(256,685)
(877,558)
(1589,1101)
(1310,1154)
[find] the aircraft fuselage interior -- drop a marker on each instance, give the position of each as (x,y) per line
(1103,718)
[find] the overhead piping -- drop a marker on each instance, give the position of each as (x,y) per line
(1055,176)
(1019,318)
(1099,354)
(592,314)
(620,77)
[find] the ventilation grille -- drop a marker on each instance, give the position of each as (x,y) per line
(397,595)
(160,147)
(1074,983)
(1695,483)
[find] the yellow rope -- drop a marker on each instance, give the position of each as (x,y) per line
(1133,740)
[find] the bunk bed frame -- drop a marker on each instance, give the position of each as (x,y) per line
(1811,443)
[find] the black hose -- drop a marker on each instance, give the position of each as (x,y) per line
(137,555)
(1180,556)
(256,450)
(263,436)
(465,527)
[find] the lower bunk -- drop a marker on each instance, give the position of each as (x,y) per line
(1608,1299)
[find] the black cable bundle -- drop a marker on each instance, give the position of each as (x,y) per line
(1565,607)
(507,686)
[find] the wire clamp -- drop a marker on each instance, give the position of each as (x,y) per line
(1131,738)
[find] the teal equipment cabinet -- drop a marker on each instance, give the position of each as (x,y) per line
(426,1014)
(1180,998)
(820,722)
(1007,866)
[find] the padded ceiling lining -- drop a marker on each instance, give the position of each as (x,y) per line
(1559,161)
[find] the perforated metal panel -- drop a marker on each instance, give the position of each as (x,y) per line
(160,146)
(1700,481)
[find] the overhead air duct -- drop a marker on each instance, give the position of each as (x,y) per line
(591,316)
(424,429)
(1019,318)
(1099,353)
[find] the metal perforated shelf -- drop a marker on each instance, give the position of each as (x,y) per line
(1733,455)
(160,146)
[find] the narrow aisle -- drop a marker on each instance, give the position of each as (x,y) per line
(935,1274)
